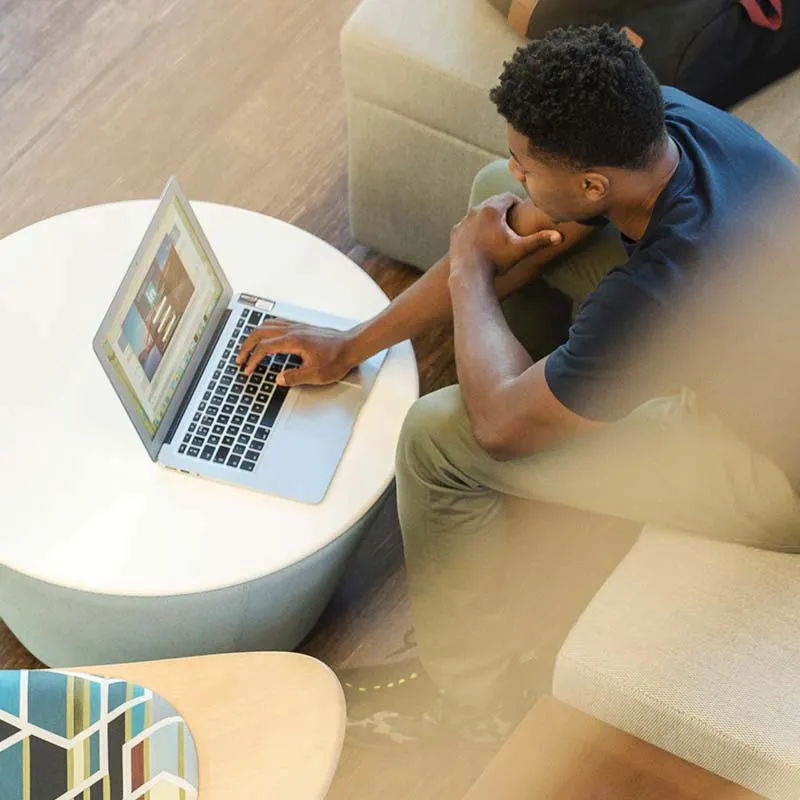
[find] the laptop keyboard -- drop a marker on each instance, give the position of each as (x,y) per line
(235,418)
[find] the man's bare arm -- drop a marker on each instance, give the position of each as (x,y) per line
(427,302)
(510,405)
(328,355)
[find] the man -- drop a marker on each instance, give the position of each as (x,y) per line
(639,184)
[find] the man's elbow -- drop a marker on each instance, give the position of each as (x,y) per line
(507,443)
(495,443)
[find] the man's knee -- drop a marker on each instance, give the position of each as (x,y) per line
(495,178)
(434,426)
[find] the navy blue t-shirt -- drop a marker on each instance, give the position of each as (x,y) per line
(724,164)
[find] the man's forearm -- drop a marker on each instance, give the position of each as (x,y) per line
(424,304)
(427,303)
(487,352)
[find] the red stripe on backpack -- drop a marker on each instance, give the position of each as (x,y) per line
(756,12)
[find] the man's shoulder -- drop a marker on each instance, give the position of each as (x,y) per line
(725,168)
(690,121)
(676,100)
(672,94)
(698,126)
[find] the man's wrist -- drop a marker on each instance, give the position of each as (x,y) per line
(354,344)
(361,343)
(471,268)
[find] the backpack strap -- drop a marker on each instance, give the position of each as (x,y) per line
(765,13)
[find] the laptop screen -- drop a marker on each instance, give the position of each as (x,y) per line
(155,327)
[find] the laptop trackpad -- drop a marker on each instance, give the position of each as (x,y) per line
(305,450)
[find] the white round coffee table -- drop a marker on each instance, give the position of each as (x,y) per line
(106,557)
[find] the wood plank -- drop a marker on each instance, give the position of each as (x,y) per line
(243,100)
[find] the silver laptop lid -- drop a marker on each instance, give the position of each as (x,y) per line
(162,318)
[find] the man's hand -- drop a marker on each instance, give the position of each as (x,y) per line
(486,233)
(324,351)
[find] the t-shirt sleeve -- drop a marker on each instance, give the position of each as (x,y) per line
(594,373)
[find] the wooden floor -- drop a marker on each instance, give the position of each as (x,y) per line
(102,100)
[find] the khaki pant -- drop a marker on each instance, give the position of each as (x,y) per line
(668,463)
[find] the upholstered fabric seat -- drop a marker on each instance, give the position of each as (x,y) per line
(692,646)
(66,734)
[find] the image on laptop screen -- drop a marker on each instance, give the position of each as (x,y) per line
(156,328)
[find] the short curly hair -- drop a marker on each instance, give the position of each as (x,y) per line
(584,97)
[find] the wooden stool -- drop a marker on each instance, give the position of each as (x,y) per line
(265,724)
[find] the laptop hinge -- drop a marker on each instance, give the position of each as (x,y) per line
(200,370)
(261,303)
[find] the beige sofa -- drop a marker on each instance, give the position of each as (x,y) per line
(691,645)
(420,123)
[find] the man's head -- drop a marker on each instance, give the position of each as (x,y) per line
(582,109)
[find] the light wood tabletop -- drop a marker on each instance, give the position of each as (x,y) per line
(266,725)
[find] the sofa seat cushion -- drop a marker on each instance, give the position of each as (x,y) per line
(694,646)
(433,62)
(65,734)
(775,113)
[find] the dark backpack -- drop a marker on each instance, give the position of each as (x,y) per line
(717,50)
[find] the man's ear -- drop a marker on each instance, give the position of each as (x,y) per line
(594,185)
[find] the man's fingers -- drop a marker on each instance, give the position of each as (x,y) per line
(508,199)
(268,347)
(502,202)
(504,199)
(247,346)
(539,240)
(298,375)
(265,331)
(252,358)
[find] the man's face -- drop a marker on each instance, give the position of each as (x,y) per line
(563,194)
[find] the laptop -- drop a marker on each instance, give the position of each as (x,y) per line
(168,344)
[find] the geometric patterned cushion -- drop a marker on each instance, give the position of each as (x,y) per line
(70,736)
